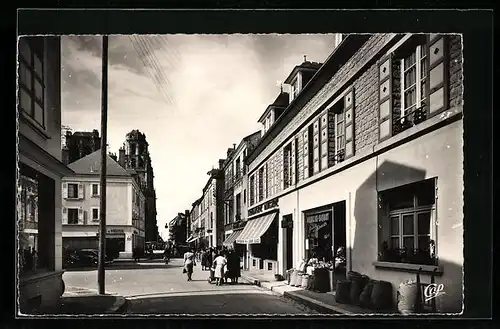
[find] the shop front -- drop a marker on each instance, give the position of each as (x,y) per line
(232,235)
(260,235)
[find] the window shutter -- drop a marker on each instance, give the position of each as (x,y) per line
(65,190)
(324,141)
(80,215)
(385,98)
(437,82)
(80,191)
(293,162)
(316,150)
(349,123)
(98,189)
(65,215)
(305,147)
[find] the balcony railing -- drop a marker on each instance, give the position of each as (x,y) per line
(409,120)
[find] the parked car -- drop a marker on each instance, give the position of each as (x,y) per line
(82,258)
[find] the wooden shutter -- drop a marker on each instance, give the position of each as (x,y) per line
(385,99)
(65,215)
(437,73)
(305,148)
(316,145)
(80,215)
(349,123)
(65,190)
(324,141)
(293,162)
(80,191)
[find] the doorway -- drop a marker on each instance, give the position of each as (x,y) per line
(288,221)
(339,239)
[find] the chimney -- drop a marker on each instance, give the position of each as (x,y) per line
(121,157)
(65,155)
(221,163)
(234,146)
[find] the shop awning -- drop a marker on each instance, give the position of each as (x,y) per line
(255,229)
(232,238)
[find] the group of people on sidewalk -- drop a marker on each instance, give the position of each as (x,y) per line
(223,264)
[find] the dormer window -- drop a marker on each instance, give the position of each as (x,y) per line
(295,88)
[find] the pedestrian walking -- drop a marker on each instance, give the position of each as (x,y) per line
(189,263)
(219,265)
(233,263)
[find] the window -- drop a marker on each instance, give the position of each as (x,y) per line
(287,166)
(31,82)
(73,191)
(295,88)
(408,228)
(413,80)
(252,189)
(95,189)
(72,216)
(95,214)
(244,196)
(238,206)
(28,200)
(412,83)
(238,168)
(261,184)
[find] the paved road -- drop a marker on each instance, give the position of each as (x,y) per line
(156,288)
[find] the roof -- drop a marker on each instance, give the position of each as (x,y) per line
(91,165)
(306,66)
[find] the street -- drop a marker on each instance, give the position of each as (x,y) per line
(156,288)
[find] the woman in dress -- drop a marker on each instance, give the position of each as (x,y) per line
(189,262)
(219,264)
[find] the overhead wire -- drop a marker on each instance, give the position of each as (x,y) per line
(149,70)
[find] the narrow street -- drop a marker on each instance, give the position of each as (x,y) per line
(156,288)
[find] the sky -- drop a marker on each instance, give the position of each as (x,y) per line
(194,96)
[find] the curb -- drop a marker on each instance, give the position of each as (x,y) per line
(120,306)
(309,302)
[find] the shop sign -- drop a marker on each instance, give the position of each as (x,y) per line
(318,218)
(116,231)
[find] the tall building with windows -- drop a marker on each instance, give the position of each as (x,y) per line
(80,144)
(367,157)
(135,156)
(40,171)
(235,181)
(207,214)
(126,208)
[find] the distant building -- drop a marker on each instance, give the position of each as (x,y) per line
(40,172)
(207,215)
(134,155)
(80,207)
(178,228)
(80,144)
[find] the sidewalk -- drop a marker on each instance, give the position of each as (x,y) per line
(83,301)
(321,302)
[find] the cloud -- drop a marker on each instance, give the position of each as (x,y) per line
(216,88)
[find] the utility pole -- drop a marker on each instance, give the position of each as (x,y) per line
(104,151)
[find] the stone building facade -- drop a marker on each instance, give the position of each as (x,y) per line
(80,144)
(367,157)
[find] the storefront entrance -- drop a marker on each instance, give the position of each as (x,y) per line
(326,231)
(319,235)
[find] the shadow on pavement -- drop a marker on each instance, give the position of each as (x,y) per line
(223,302)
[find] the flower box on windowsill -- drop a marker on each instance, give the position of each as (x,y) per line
(412,268)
